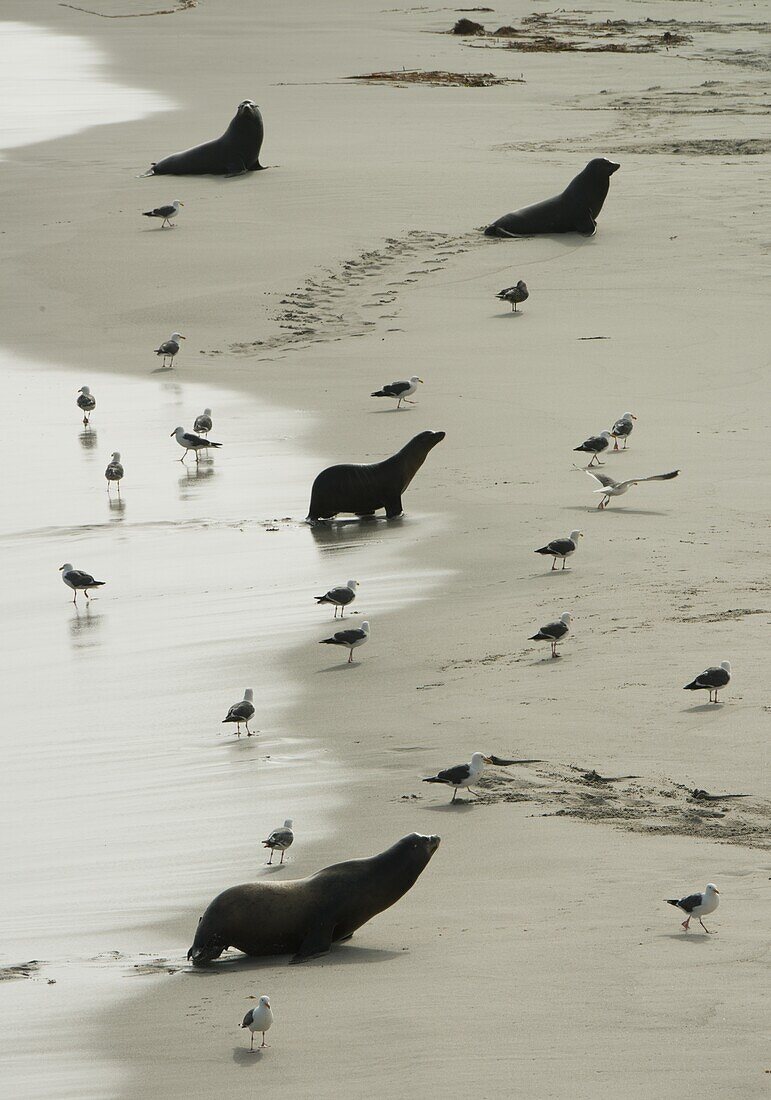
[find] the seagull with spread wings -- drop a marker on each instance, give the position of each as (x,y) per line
(609,487)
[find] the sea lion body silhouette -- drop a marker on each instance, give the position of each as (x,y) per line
(307,916)
(237,151)
(575,210)
(363,489)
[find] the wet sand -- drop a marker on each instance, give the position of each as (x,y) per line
(536,948)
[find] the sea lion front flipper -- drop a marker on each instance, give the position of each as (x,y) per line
(393,507)
(238,169)
(317,942)
(586,225)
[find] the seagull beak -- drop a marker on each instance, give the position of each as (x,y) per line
(487,759)
(60,568)
(182,337)
(633,416)
(172,433)
(420,380)
(181,204)
(717,891)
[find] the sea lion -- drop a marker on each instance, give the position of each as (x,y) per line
(574,211)
(236,152)
(307,916)
(363,489)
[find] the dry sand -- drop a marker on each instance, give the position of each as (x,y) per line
(535,955)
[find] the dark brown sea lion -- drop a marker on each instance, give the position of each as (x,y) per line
(363,489)
(237,151)
(574,211)
(307,916)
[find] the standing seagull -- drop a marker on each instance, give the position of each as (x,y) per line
(713,679)
(561,548)
(611,488)
(202,423)
(114,471)
(697,905)
(340,597)
(170,347)
(594,446)
(87,402)
(350,638)
(78,581)
(622,429)
(259,1018)
(167,212)
(462,775)
(279,840)
(514,294)
(401,391)
(191,442)
(242,712)
(554,632)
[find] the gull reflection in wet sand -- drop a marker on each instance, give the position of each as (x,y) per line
(117,508)
(193,475)
(82,625)
(88,439)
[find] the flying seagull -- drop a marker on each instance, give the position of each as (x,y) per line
(462,775)
(170,347)
(202,423)
(611,488)
(279,840)
(242,712)
(713,679)
(622,429)
(594,446)
(514,294)
(561,548)
(554,632)
(192,442)
(350,638)
(340,597)
(114,471)
(86,402)
(259,1018)
(167,212)
(697,905)
(78,581)
(401,391)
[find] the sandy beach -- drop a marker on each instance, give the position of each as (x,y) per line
(535,955)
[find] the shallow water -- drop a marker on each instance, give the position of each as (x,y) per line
(56,84)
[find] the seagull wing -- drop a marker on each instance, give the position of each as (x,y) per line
(80,578)
(194,440)
(659,477)
(458,774)
(603,479)
(346,637)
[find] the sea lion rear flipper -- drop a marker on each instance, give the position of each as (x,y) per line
(317,942)
(586,225)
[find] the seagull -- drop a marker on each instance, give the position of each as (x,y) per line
(622,429)
(594,446)
(611,488)
(114,471)
(259,1018)
(697,905)
(167,212)
(713,679)
(554,632)
(279,840)
(242,712)
(401,391)
(170,347)
(202,423)
(561,548)
(462,775)
(349,638)
(192,442)
(77,580)
(87,402)
(514,294)
(340,597)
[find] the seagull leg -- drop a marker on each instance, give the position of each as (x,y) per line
(701,922)
(251,1045)
(454,796)
(263,1040)
(563,562)
(282,856)
(553,564)
(350,656)
(271,858)
(686,923)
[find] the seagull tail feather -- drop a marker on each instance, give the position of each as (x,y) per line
(672,901)
(433,779)
(693,686)
(379,393)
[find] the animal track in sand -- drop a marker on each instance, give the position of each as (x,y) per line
(635,804)
(331,306)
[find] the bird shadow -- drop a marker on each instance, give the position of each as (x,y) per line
(340,668)
(688,937)
(450,807)
(389,412)
(506,316)
(615,511)
(161,370)
(701,708)
(245,1057)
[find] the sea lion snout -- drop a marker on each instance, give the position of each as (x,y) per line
(612,167)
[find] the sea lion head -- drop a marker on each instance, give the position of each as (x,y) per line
(428,440)
(247,108)
(418,847)
(601,167)
(206,946)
